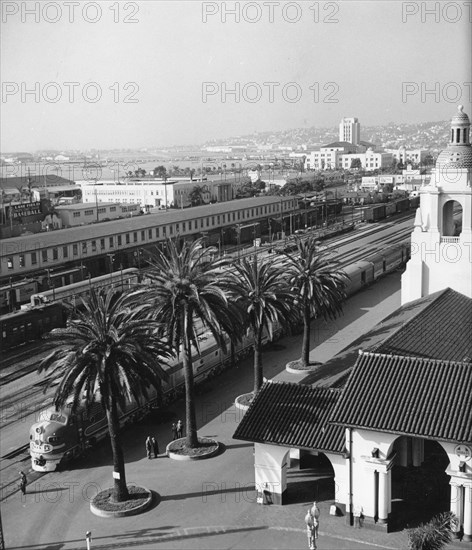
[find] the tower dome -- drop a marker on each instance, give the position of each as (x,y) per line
(459,151)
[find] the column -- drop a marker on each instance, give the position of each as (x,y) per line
(468,513)
(384,480)
(456,505)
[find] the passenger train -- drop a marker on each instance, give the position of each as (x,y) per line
(61,435)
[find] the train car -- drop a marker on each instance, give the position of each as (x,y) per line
(374,213)
(125,278)
(414,202)
(390,209)
(13,295)
(27,325)
(402,205)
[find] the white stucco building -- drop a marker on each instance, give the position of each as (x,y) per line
(370,160)
(350,130)
(441,243)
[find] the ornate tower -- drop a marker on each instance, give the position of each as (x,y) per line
(441,242)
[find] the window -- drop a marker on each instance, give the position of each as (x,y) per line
(157,232)
(171,229)
(119,240)
(102,244)
(22,260)
(127,239)
(10,262)
(208,222)
(177,227)
(65,252)
(143,235)
(183,226)
(76,214)
(55,254)
(201,222)
(101,210)
(94,246)
(135,236)
(111,242)
(75,249)
(84,248)
(213,220)
(150,233)
(34,258)
(217,220)
(44,255)
(164,231)
(88,212)
(112,208)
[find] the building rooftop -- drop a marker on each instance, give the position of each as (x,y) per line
(292,415)
(41,181)
(408,396)
(86,205)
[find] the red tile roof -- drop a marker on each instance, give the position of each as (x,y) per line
(408,396)
(441,329)
(293,415)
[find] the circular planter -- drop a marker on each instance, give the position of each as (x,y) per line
(244,401)
(178,451)
(294,367)
(140,501)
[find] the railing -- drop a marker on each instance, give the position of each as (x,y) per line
(450,239)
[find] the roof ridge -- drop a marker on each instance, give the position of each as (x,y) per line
(414,358)
(413,317)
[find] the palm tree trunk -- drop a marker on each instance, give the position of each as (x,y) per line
(306,336)
(190,418)
(258,372)
(120,490)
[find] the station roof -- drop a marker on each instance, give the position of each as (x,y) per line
(293,415)
(136,223)
(408,396)
(45,180)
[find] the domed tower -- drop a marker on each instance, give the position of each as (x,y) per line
(441,242)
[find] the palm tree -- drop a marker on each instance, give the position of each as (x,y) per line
(434,535)
(319,284)
(186,288)
(260,287)
(111,351)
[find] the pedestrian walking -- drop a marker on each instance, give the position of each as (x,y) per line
(155,447)
(148,446)
(22,482)
(174,431)
(179,429)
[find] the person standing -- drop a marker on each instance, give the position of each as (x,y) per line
(155,447)
(174,431)
(148,446)
(179,429)
(22,482)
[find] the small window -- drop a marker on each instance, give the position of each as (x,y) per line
(65,252)
(75,249)
(111,242)
(157,232)
(190,225)
(34,258)
(183,226)
(135,236)
(171,229)
(102,244)
(44,255)
(164,231)
(94,246)
(22,260)
(119,240)
(10,262)
(143,235)
(55,254)
(84,248)
(150,234)
(76,214)
(88,212)
(127,239)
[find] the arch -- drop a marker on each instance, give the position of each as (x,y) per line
(310,477)
(419,485)
(451,218)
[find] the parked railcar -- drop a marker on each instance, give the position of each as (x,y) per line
(27,325)
(374,213)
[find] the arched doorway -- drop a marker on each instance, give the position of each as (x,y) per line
(451,219)
(310,478)
(420,486)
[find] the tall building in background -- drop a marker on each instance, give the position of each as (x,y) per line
(350,130)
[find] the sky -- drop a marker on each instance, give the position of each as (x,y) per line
(144,74)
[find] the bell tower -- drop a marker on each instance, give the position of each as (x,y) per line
(441,242)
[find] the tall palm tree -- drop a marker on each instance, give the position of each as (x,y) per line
(185,288)
(261,290)
(110,350)
(319,284)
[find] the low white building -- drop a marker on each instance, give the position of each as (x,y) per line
(370,160)
(404,155)
(154,193)
(84,213)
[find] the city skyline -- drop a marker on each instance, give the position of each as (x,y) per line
(154,74)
